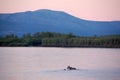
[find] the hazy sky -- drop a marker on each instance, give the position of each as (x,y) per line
(86,9)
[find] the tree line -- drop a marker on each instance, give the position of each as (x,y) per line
(52,39)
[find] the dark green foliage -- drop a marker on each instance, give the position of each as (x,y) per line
(50,39)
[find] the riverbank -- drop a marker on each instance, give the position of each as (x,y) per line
(49,39)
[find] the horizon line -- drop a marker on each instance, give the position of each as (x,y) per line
(16,12)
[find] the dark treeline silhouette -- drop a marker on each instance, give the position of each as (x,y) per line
(51,39)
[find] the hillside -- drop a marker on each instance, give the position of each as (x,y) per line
(54,21)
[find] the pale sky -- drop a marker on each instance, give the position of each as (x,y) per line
(107,10)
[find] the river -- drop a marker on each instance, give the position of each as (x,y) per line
(44,63)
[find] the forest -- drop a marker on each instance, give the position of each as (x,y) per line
(52,39)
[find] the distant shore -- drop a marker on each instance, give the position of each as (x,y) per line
(59,47)
(52,39)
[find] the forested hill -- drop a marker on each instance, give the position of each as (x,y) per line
(54,21)
(49,39)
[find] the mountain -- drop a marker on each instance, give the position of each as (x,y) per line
(54,21)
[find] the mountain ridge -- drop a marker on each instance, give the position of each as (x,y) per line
(54,21)
(58,11)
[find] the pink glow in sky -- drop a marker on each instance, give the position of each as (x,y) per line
(86,9)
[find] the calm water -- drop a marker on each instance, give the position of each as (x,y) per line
(36,63)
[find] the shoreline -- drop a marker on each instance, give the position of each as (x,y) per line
(61,47)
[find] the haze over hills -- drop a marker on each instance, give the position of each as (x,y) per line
(54,21)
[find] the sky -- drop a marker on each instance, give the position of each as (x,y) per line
(100,10)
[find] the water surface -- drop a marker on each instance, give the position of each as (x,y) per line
(38,63)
